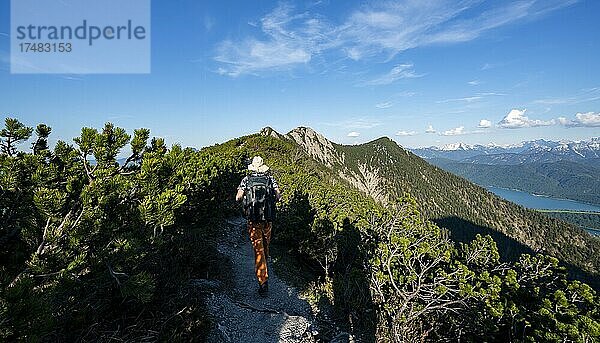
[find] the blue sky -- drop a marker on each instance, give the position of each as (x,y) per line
(420,72)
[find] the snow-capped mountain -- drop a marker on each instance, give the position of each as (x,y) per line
(458,146)
(531,151)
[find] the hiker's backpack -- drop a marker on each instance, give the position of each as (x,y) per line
(259,198)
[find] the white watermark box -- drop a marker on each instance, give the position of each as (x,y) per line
(80,36)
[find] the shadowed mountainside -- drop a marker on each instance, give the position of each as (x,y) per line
(385,171)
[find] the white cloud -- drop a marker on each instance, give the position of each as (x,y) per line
(290,37)
(474,82)
(484,124)
(589,119)
(383,105)
(454,132)
(430,129)
(516,119)
(393,26)
(406,94)
(406,133)
(353,134)
(400,71)
(259,56)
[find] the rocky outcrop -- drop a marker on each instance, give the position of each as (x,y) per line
(268,131)
(317,146)
(366,178)
(368,181)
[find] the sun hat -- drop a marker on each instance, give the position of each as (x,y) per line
(258,165)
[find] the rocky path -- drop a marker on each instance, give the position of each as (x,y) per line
(241,314)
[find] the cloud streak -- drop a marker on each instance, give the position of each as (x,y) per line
(400,71)
(406,133)
(384,105)
(584,95)
(289,38)
(465,99)
(472,98)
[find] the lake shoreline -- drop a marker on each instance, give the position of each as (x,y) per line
(565,211)
(542,202)
(549,205)
(539,195)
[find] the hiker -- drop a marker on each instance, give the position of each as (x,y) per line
(259,192)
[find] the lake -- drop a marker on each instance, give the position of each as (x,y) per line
(540,202)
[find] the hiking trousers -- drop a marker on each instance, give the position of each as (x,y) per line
(260,236)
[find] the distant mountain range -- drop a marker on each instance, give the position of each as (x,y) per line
(532,151)
(560,169)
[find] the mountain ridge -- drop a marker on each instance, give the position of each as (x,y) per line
(385,171)
(155,250)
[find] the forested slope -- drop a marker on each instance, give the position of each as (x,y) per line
(563,179)
(386,171)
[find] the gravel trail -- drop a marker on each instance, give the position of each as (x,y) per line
(244,316)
